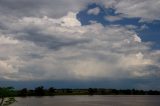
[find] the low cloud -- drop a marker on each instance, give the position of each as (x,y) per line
(113,18)
(94,11)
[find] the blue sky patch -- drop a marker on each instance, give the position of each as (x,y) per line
(148,31)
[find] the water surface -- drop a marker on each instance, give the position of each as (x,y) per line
(89,101)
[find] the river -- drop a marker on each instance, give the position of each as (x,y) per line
(113,100)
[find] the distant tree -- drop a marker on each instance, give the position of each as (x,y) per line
(39,91)
(91,91)
(7,96)
(114,91)
(31,93)
(51,91)
(134,92)
(128,92)
(151,92)
(125,92)
(23,92)
(69,90)
(141,92)
(102,91)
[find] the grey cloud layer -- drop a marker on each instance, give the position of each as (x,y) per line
(34,42)
(54,8)
(63,49)
(147,10)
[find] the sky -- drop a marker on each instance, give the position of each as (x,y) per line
(80,43)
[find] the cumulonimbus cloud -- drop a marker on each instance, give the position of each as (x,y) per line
(43,40)
(63,49)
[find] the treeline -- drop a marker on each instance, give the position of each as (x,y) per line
(41,91)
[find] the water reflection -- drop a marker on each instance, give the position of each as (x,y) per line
(89,101)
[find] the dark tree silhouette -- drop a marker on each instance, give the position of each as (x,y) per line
(91,91)
(39,91)
(51,91)
(23,92)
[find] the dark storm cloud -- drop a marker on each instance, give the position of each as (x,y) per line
(51,42)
